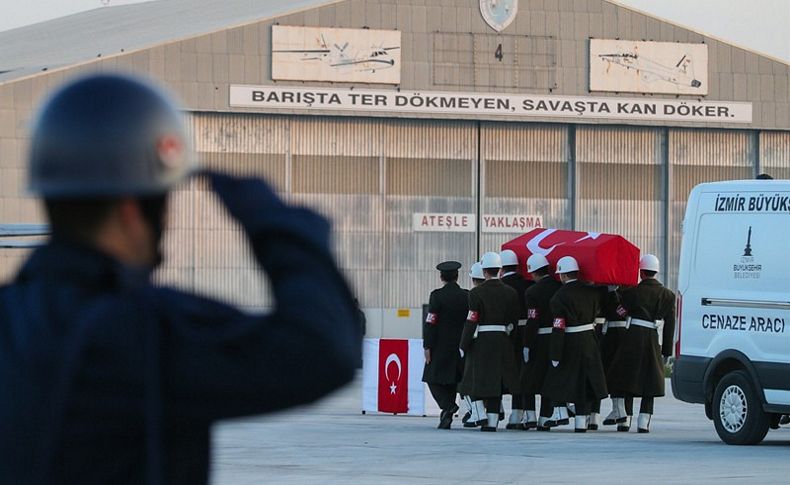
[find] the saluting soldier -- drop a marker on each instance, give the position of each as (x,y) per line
(522,415)
(576,374)
(537,334)
(447,309)
(637,368)
(493,307)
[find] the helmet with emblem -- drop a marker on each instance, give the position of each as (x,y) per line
(536,262)
(107,135)
(567,264)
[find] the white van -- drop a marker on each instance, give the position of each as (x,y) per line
(733,332)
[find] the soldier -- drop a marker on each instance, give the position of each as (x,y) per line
(109,378)
(637,368)
(493,307)
(576,374)
(613,334)
(476,416)
(537,334)
(522,414)
(447,309)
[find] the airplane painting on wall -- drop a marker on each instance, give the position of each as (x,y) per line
(648,67)
(336,55)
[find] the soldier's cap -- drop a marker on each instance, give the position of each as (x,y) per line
(449,266)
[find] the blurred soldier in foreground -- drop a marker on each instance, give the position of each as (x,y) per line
(493,306)
(576,374)
(637,368)
(447,309)
(537,333)
(107,378)
(522,414)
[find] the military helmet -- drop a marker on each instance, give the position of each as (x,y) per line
(536,262)
(508,257)
(107,135)
(476,272)
(491,260)
(567,264)
(649,262)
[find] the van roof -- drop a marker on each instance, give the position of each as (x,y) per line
(743,185)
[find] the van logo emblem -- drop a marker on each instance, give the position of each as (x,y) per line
(748,250)
(748,268)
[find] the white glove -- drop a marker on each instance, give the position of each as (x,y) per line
(612,288)
(555,363)
(462,352)
(526,354)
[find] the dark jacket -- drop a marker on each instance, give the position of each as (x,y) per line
(441,333)
(518,283)
(489,366)
(108,378)
(538,302)
(580,376)
(637,367)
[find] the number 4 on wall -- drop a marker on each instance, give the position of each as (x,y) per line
(498,53)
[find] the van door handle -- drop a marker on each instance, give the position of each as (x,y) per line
(723,302)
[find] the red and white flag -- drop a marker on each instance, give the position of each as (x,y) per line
(392,376)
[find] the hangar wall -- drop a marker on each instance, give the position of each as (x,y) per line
(370,173)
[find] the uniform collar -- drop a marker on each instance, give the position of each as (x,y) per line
(650,282)
(62,259)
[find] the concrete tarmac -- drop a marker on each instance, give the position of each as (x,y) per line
(332,442)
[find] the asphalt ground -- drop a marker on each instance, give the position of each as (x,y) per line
(332,442)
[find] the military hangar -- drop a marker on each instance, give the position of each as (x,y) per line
(426,129)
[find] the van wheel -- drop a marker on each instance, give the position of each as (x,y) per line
(737,413)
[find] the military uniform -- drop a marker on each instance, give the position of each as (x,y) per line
(579,378)
(117,380)
(537,338)
(447,310)
(637,368)
(613,334)
(521,399)
(489,366)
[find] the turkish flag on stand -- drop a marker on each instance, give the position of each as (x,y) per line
(393,376)
(604,259)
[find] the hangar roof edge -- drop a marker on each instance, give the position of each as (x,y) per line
(108,31)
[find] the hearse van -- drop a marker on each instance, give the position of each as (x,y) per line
(732,348)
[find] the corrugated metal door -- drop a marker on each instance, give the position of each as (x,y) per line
(430,168)
(524,171)
(620,184)
(698,156)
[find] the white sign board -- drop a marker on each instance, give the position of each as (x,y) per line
(511,223)
(648,67)
(339,55)
(275,98)
(426,222)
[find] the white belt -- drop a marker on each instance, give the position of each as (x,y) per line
(642,323)
(522,323)
(600,321)
(580,328)
(614,324)
(492,328)
(545,330)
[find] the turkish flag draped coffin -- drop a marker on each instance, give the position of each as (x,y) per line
(392,376)
(604,259)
